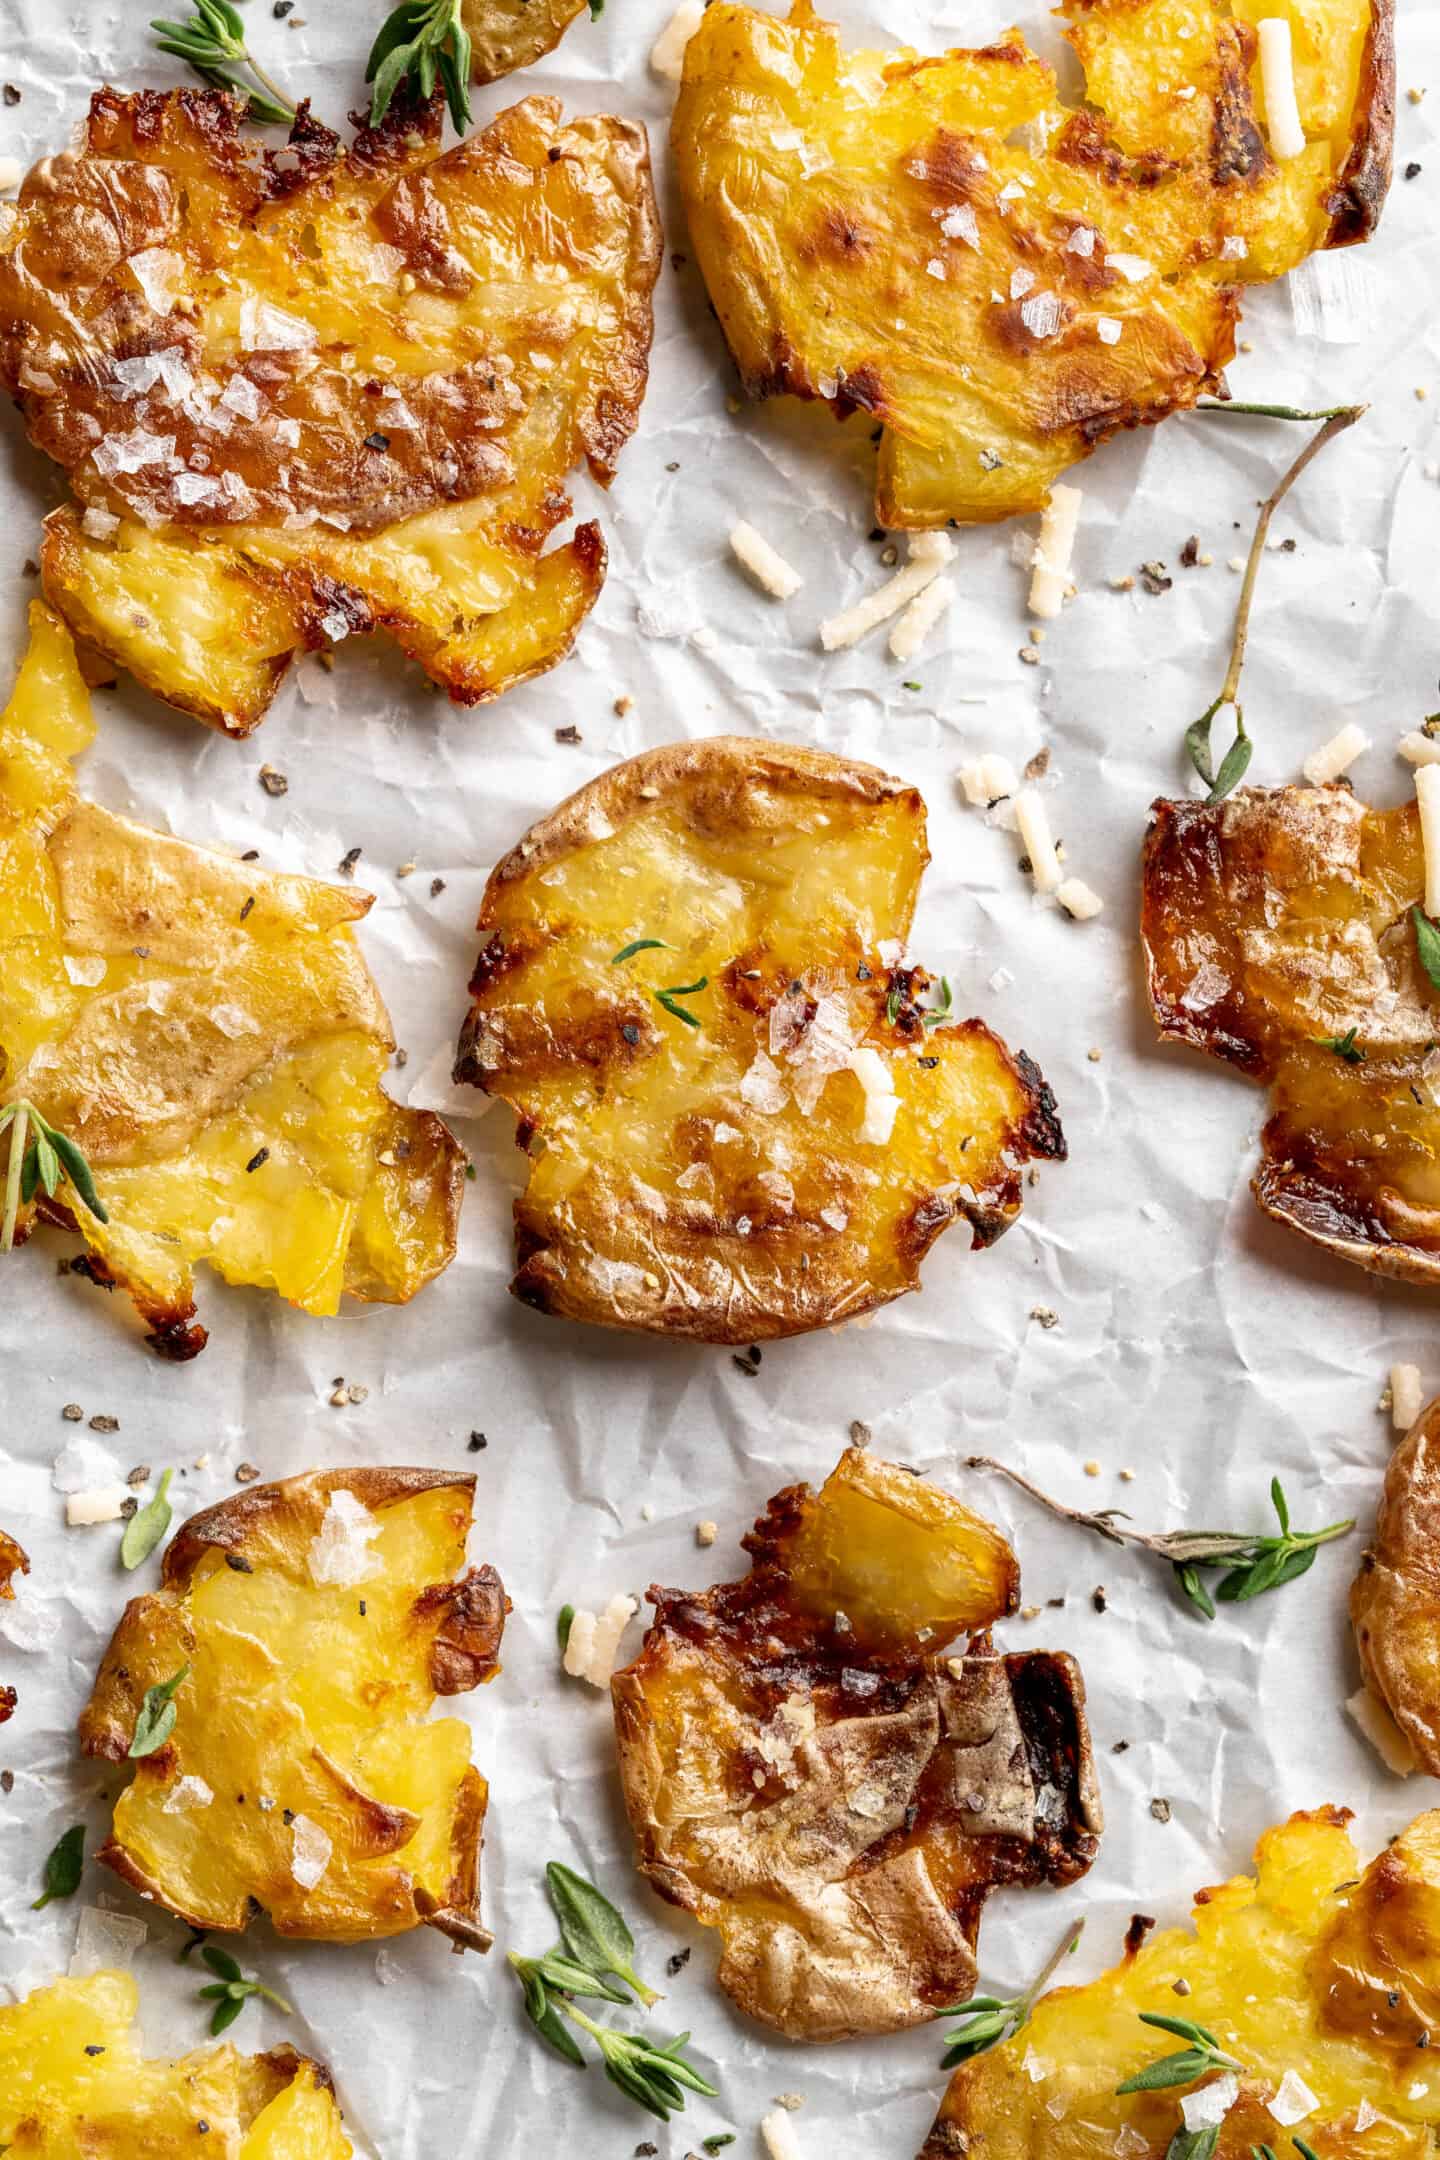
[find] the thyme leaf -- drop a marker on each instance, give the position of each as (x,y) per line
(146,1526)
(993,2018)
(668,996)
(593,1931)
(156,1721)
(1427,944)
(212,42)
(40,1155)
(653,2077)
(1201,2053)
(232,1990)
(64,1866)
(1344,1046)
(939,1014)
(564,1621)
(639,944)
(1253,1563)
(418,41)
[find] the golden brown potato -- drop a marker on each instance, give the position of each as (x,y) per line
(724,1165)
(315,1620)
(509,34)
(73,2080)
(1395,1598)
(805,1771)
(209,1035)
(311,394)
(1275,923)
(12,1562)
(999,280)
(1302,1971)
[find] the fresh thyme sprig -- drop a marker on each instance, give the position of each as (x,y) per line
(668,996)
(1201,2053)
(1266,2152)
(232,1990)
(1253,1564)
(993,2018)
(212,42)
(418,41)
(653,2077)
(1270,412)
(1236,761)
(1427,944)
(1344,1046)
(40,1155)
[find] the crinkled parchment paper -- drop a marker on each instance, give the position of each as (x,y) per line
(1195,1344)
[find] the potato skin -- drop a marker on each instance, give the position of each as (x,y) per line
(1274,923)
(1395,1598)
(510,34)
(767,879)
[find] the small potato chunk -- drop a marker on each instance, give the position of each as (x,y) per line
(12,1562)
(742,1123)
(73,2080)
(316,1620)
(310,395)
(1395,1598)
(1307,1971)
(999,280)
(1279,935)
(208,1034)
(806,1774)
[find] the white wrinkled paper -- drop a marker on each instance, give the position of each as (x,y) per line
(1195,1344)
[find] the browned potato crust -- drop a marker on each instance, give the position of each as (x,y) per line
(309,1679)
(12,1562)
(803,1772)
(510,34)
(309,395)
(710,1176)
(1275,923)
(1395,1598)
(1002,281)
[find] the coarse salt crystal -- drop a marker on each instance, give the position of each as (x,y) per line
(240,396)
(310,1852)
(988,779)
(1365,2115)
(1133,268)
(1022,281)
(1293,2100)
(1379,1728)
(185,1794)
(88,972)
(1042,314)
(189,488)
(1082,241)
(764,1087)
(667,54)
(160,274)
(28,1621)
(778,2132)
(1235,248)
(100,524)
(104,1942)
(128,453)
(935,268)
(266,328)
(340,1553)
(1335,756)
(961,223)
(1207,2108)
(765,564)
(1108,329)
(1407,1396)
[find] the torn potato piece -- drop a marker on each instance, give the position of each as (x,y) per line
(740,1124)
(1318,1980)
(805,1772)
(209,1035)
(1395,1598)
(73,2080)
(317,1619)
(1000,280)
(1279,937)
(12,1562)
(311,394)
(509,34)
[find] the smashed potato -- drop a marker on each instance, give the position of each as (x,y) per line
(309,394)
(805,1772)
(1279,936)
(1305,1972)
(999,280)
(73,2081)
(12,1562)
(315,1621)
(1395,1598)
(209,1035)
(741,1122)
(509,34)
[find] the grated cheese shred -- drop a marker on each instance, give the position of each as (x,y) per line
(1336,756)
(1033,821)
(919,619)
(594,1640)
(1053,552)
(765,564)
(1418,748)
(1407,1396)
(1079,900)
(1277,82)
(1384,1735)
(929,553)
(778,2132)
(667,54)
(1427,794)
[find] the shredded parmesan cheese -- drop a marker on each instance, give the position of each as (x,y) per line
(1078,900)
(1053,551)
(881,1101)
(1277,81)
(929,552)
(1418,748)
(1384,1735)
(1427,793)
(778,2132)
(1033,822)
(82,1509)
(1407,1396)
(595,1639)
(667,54)
(919,619)
(988,780)
(1336,756)
(769,569)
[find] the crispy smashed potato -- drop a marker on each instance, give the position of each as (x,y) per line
(74,2081)
(1395,1598)
(805,1772)
(209,1035)
(12,1562)
(1279,937)
(1306,1971)
(316,1621)
(309,394)
(999,280)
(510,34)
(741,1125)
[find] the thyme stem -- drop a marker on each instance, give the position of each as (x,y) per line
(19,1132)
(1271,412)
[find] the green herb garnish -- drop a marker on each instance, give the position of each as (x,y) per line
(156,1721)
(668,996)
(1269,412)
(1344,1046)
(718,2142)
(1193,2144)
(639,944)
(1427,944)
(653,2077)
(418,41)
(893,1003)
(212,42)
(146,1526)
(593,1932)
(63,1868)
(1253,1564)
(40,1156)
(1201,2053)
(939,1014)
(993,2018)
(232,1990)
(1236,761)
(564,1621)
